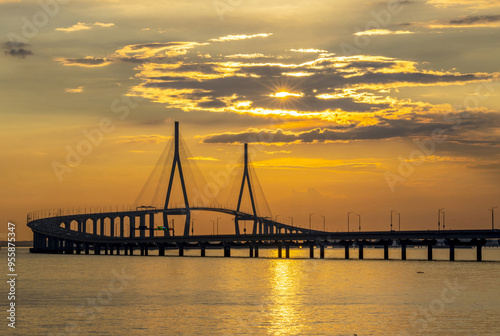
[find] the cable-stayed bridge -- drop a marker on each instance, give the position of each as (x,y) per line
(135,229)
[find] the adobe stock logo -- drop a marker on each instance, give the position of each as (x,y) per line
(39,20)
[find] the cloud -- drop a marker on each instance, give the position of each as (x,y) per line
(203,158)
(238,37)
(155,52)
(383,32)
(17,49)
(79,89)
(142,139)
(384,130)
(322,164)
(87,62)
(314,51)
(471,21)
(85,26)
(474,4)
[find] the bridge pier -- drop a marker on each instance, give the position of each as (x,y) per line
(360,250)
(287,251)
(386,252)
(87,248)
(111,248)
(346,247)
(202,251)
(106,249)
(429,252)
(161,251)
(142,226)
(181,251)
(118,250)
(102,229)
(78,247)
(251,251)
(227,251)
(256,254)
(122,226)
(452,251)
(279,252)
(311,251)
(132,226)
(125,250)
(152,224)
(403,251)
(131,249)
(479,252)
(322,252)
(97,249)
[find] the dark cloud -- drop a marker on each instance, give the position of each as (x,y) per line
(469,20)
(385,129)
(17,49)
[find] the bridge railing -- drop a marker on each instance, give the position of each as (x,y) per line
(51,213)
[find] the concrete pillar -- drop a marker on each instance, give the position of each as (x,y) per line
(132,226)
(125,250)
(360,250)
(118,250)
(142,226)
(256,251)
(227,251)
(103,231)
(311,251)
(322,252)
(346,247)
(251,251)
(202,251)
(122,224)
(386,252)
(152,224)
(161,251)
(429,252)
(146,250)
(97,249)
(106,249)
(452,251)
(181,251)
(111,248)
(479,252)
(142,250)
(287,251)
(280,252)
(78,247)
(403,251)
(131,248)
(87,248)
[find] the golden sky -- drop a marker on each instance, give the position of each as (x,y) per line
(363,106)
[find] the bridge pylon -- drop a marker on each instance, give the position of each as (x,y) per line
(177,163)
(246,179)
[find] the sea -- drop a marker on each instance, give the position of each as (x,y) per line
(113,295)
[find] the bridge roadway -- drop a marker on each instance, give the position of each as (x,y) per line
(54,235)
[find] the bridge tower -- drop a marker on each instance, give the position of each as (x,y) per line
(246,179)
(177,163)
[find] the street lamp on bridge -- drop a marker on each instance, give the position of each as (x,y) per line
(392,211)
(310,223)
(439,218)
(399,220)
(359,222)
(493,217)
(324,222)
(350,212)
(291,218)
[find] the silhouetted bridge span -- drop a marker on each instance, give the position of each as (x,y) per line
(135,230)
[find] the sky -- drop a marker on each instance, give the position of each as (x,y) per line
(347,106)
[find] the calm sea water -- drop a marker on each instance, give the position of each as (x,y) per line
(124,295)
